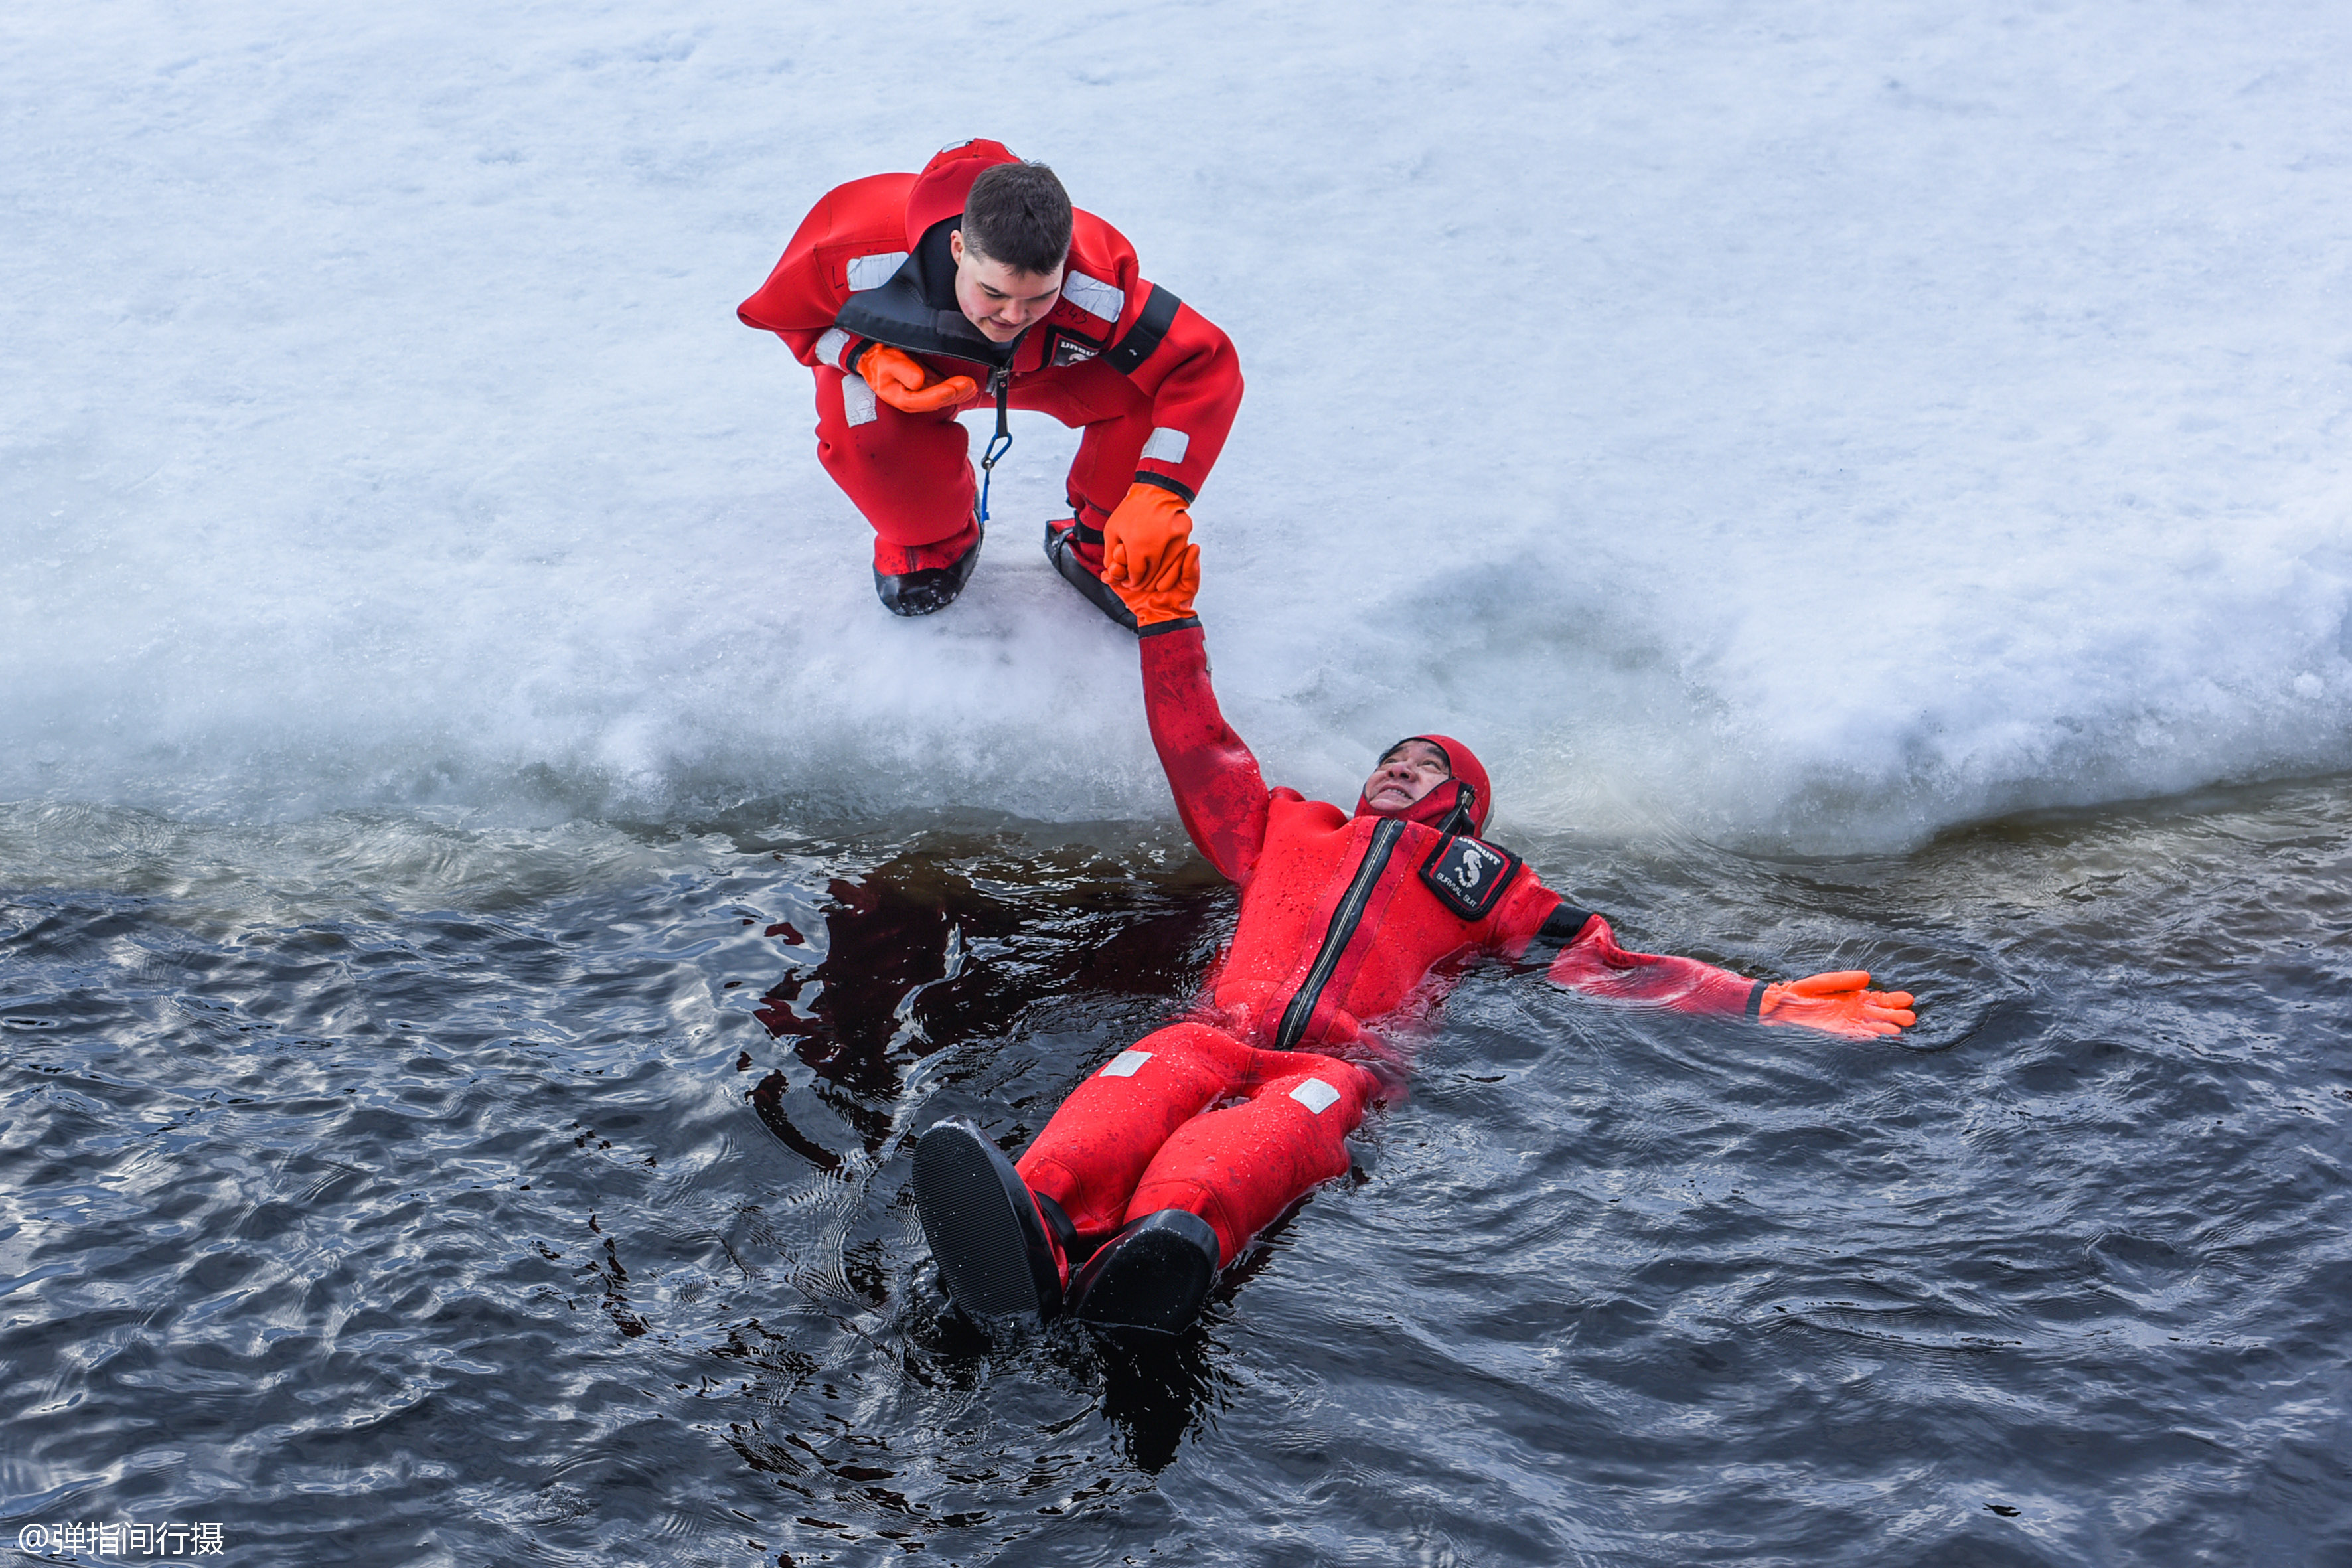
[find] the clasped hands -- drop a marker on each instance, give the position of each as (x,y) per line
(1149,558)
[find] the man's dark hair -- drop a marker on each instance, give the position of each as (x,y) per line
(1019,214)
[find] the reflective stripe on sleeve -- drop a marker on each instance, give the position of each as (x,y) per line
(873,271)
(1093,296)
(1166,445)
(858,400)
(829,347)
(1126,1064)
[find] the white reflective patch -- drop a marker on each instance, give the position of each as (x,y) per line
(1093,296)
(1316,1095)
(873,271)
(1167,446)
(1126,1064)
(829,347)
(858,400)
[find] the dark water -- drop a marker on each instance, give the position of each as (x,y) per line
(386,1191)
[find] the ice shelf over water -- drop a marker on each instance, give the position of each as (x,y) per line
(1805,425)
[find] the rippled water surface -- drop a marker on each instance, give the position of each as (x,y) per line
(402,1191)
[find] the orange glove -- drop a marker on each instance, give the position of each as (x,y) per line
(1142,532)
(1169,595)
(1837,1003)
(899,381)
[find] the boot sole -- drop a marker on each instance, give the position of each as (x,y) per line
(1097,593)
(975,1232)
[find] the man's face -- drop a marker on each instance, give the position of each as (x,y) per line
(1405,775)
(999,300)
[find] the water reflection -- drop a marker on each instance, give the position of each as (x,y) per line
(1154,1387)
(927,950)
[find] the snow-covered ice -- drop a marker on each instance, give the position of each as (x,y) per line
(1809,424)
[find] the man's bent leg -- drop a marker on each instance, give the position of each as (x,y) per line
(1217,1181)
(1002,1234)
(1115,422)
(909,476)
(1240,1168)
(907,473)
(1104,469)
(1100,1143)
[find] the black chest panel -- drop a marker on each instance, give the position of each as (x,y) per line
(1468,874)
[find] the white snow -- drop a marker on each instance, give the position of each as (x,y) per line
(1803,423)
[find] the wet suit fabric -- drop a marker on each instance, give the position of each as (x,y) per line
(1192,1117)
(1151,383)
(1237,1112)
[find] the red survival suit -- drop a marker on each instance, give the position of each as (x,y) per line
(1237,1114)
(1153,384)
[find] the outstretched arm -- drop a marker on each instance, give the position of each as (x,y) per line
(1591,960)
(1220,793)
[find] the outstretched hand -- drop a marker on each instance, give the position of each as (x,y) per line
(899,381)
(1837,1003)
(1147,528)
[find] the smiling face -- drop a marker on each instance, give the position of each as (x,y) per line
(1411,770)
(1001,300)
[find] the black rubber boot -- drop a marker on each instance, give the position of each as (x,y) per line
(1152,1276)
(1060,535)
(985,1227)
(921,592)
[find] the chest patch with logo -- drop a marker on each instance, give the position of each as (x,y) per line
(1468,874)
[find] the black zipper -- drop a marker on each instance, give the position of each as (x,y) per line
(1344,919)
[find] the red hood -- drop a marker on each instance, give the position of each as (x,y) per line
(939,190)
(1438,803)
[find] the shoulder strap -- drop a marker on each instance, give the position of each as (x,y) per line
(1142,340)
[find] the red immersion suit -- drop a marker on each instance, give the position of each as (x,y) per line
(1235,1114)
(1153,384)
